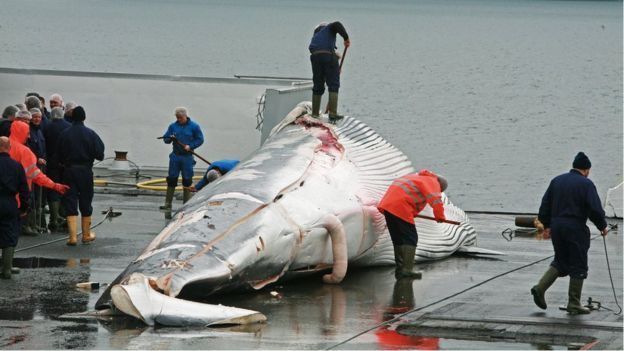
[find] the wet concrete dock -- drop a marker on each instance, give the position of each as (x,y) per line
(307,314)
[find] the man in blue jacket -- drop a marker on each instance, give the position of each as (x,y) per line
(569,201)
(325,67)
(36,143)
(76,150)
(216,170)
(186,136)
(52,134)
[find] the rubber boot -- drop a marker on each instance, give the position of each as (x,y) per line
(186,195)
(408,253)
(168,198)
(399,261)
(544,283)
(72,228)
(40,221)
(28,227)
(87,235)
(333,107)
(7,261)
(54,216)
(316,105)
(574,297)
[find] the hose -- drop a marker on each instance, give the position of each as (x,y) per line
(149,184)
(604,241)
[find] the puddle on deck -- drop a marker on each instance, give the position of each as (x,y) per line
(44,262)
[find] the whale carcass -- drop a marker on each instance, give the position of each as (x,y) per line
(304,202)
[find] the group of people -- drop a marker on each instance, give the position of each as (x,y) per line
(47,158)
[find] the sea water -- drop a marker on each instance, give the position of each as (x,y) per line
(496,95)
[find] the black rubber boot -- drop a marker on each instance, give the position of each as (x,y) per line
(399,261)
(54,216)
(7,262)
(168,198)
(28,228)
(408,254)
(316,105)
(544,283)
(186,195)
(574,297)
(333,107)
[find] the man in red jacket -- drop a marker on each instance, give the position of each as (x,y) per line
(404,199)
(22,154)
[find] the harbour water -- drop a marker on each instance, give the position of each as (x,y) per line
(496,95)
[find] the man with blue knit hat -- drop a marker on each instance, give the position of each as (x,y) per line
(569,201)
(77,148)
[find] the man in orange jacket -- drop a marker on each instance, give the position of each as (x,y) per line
(404,199)
(22,154)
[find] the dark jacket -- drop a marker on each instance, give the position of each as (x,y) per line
(572,197)
(79,145)
(36,141)
(324,38)
(52,134)
(5,127)
(12,183)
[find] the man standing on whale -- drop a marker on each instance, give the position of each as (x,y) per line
(325,66)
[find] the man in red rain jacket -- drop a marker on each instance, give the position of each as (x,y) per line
(22,154)
(404,199)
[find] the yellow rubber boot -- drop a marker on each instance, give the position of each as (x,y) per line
(87,235)
(72,228)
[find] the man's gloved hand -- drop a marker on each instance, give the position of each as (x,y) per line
(438,213)
(60,188)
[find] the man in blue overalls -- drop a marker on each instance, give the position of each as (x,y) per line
(569,201)
(216,170)
(325,67)
(186,136)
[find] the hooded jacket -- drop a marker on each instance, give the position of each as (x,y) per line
(22,154)
(408,195)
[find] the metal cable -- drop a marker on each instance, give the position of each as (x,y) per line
(396,318)
(604,241)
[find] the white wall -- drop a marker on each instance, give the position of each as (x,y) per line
(130,111)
